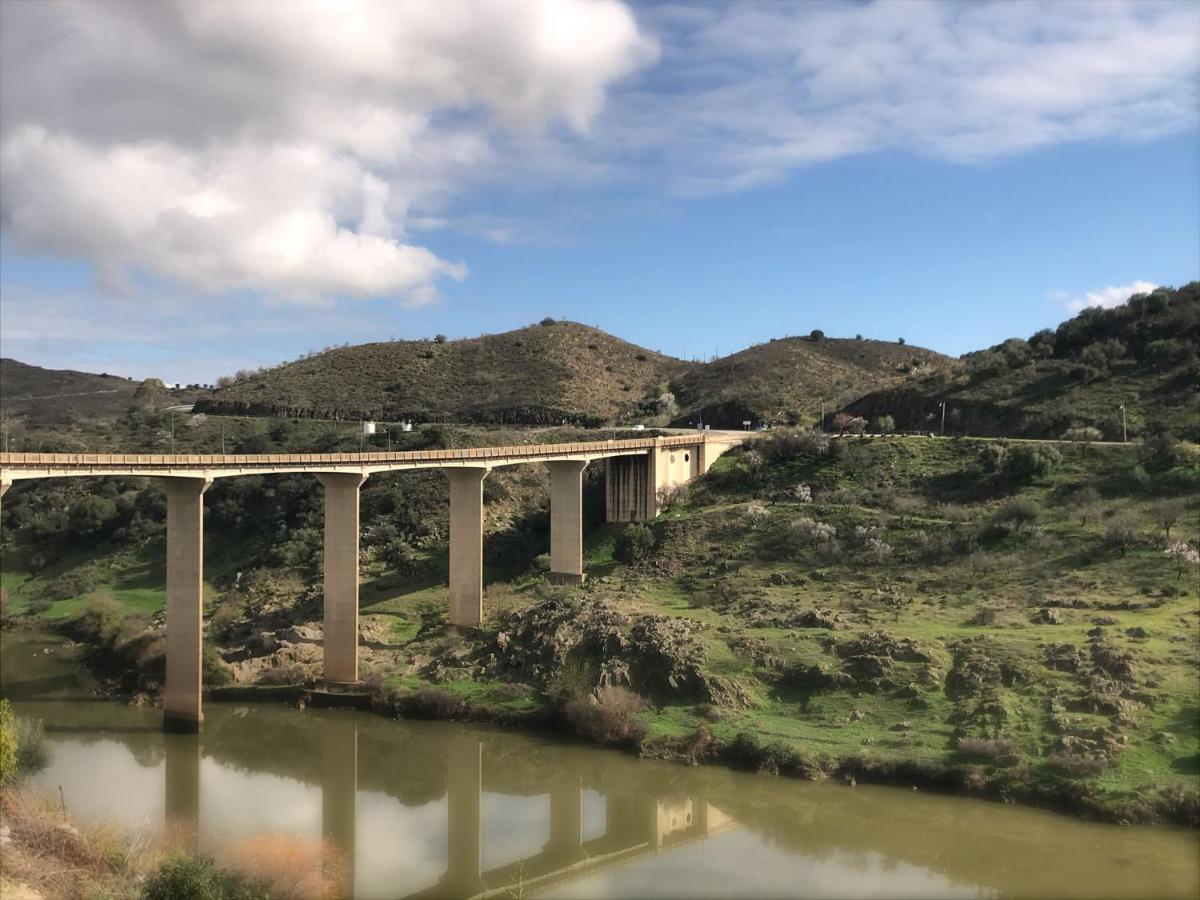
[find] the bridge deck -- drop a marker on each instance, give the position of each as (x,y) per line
(14,466)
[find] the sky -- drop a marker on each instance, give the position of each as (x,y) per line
(191,188)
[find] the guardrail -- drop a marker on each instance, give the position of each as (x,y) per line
(149,461)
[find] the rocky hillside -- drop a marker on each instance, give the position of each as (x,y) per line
(787,380)
(1142,355)
(542,374)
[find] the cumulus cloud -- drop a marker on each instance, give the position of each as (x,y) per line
(1107,297)
(279,148)
(304,150)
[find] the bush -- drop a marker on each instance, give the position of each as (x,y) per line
(610,716)
(8,743)
(1019,512)
(785,444)
(1120,534)
(634,543)
(1004,750)
(1076,765)
(33,750)
(1027,462)
(198,878)
(434,703)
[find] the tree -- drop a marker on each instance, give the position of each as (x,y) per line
(1086,502)
(901,341)
(1185,556)
(439,339)
(90,514)
(1167,513)
(634,543)
(816,335)
(1120,534)
(841,421)
(885,424)
(1159,451)
(547,322)
(1027,462)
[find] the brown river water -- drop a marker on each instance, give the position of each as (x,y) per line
(445,810)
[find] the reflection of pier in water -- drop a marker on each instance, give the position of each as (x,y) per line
(635,824)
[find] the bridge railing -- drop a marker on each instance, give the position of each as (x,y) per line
(239,460)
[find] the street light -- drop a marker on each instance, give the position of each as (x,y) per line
(943,405)
(1124,429)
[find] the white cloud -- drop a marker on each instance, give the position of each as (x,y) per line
(1106,297)
(302,150)
(757,89)
(279,148)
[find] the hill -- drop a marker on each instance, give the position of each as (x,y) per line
(542,374)
(1142,354)
(558,371)
(51,396)
(788,379)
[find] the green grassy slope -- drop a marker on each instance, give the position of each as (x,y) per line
(1142,354)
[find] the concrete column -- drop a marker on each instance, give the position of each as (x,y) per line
(181,794)
(464,784)
(566,821)
(466,546)
(4,486)
(657,473)
(339,799)
(625,489)
(185,603)
(566,521)
(341,576)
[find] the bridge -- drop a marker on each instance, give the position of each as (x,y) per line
(638,471)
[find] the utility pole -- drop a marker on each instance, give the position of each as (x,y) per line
(1124,429)
(222,438)
(822,415)
(943,418)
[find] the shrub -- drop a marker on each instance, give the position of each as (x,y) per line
(292,673)
(198,878)
(214,670)
(885,424)
(609,716)
(1027,462)
(991,457)
(33,750)
(1003,750)
(785,444)
(1076,765)
(1019,512)
(816,335)
(428,702)
(634,543)
(547,322)
(8,742)
(1159,450)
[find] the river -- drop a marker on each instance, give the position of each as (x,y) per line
(446,810)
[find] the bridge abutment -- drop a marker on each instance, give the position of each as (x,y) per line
(466,546)
(182,704)
(341,576)
(566,521)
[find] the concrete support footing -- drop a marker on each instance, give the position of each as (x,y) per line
(341,577)
(466,546)
(566,521)
(182,710)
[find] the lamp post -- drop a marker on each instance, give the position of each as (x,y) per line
(943,404)
(1124,429)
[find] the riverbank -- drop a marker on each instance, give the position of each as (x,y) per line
(960,616)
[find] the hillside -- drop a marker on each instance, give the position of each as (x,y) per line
(1142,354)
(542,374)
(52,396)
(786,380)
(548,373)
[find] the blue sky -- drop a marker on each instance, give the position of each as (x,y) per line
(691,178)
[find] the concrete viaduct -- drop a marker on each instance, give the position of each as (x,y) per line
(637,472)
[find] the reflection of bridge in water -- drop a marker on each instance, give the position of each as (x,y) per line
(636,824)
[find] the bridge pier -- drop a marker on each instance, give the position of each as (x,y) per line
(341,576)
(185,603)
(466,546)
(566,521)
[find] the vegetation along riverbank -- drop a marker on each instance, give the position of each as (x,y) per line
(1013,620)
